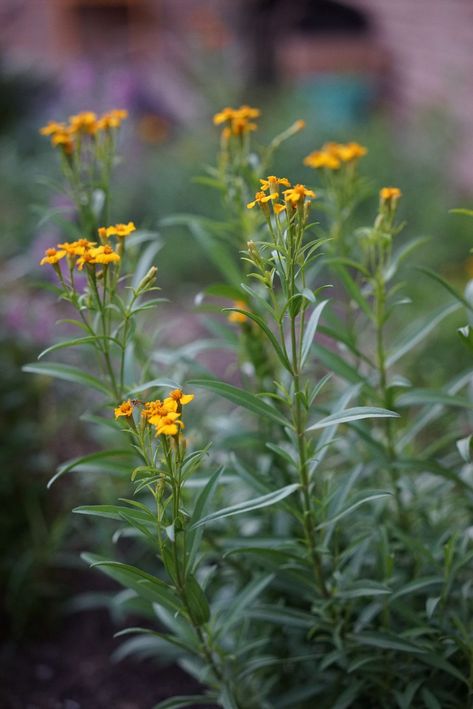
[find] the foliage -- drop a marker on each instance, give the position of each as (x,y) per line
(319,547)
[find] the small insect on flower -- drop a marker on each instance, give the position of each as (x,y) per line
(261,198)
(120,230)
(52,256)
(125,409)
(238,318)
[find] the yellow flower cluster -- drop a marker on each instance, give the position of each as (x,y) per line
(120,230)
(333,155)
(237,121)
(64,135)
(294,196)
(164,415)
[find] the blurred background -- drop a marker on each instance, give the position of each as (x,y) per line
(396,76)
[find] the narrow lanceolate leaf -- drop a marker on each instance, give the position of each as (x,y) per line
(383,641)
(249,505)
(68,373)
(241,398)
(419,331)
(73,463)
(194,535)
(182,701)
(419,397)
(311,329)
(238,606)
(354,414)
(363,498)
(75,342)
(145,585)
(267,331)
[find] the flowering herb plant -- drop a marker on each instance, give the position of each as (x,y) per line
(318,550)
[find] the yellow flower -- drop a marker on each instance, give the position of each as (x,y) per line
(238,318)
(120,230)
(177,396)
(297,194)
(64,140)
(104,254)
(261,198)
(238,120)
(155,410)
(52,256)
(169,425)
(52,127)
(272,183)
(226,114)
(125,409)
(321,159)
(84,122)
(390,195)
(351,151)
(278,208)
(111,119)
(77,248)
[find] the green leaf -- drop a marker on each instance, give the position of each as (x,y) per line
(269,334)
(145,585)
(417,585)
(387,642)
(337,364)
(194,535)
(362,498)
(249,505)
(361,589)
(68,373)
(419,397)
(354,414)
(196,598)
(75,342)
(311,329)
(239,604)
(436,277)
(188,700)
(241,398)
(73,463)
(116,512)
(153,383)
(419,331)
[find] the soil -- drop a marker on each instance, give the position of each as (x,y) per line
(71,668)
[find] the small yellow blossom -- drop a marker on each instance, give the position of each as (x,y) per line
(169,425)
(261,198)
(278,208)
(77,248)
(120,230)
(111,119)
(238,318)
(272,183)
(84,122)
(104,254)
(63,139)
(52,256)
(178,396)
(238,120)
(351,151)
(390,195)
(297,194)
(322,159)
(155,410)
(52,127)
(125,409)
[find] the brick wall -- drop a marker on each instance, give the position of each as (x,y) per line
(430,43)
